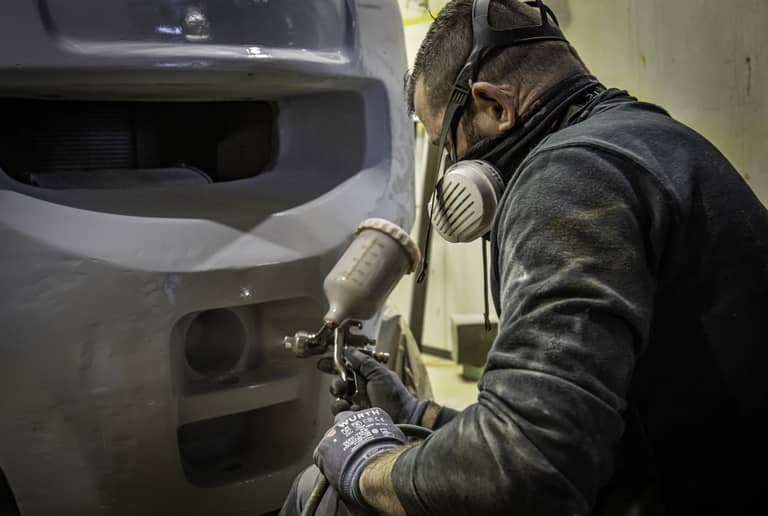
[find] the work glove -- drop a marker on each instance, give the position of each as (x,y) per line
(351,444)
(384,389)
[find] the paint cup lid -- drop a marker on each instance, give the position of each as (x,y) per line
(396,232)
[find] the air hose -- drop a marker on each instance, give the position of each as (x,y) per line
(321,485)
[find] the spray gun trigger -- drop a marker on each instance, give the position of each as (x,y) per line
(360,396)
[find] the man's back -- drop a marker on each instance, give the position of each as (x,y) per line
(699,390)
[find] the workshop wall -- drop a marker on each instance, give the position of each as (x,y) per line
(705,61)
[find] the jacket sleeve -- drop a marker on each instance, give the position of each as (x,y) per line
(578,240)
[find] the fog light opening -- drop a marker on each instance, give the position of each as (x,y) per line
(215,342)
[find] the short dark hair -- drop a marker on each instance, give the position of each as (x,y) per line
(448,43)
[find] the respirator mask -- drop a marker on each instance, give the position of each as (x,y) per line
(464,202)
(465,199)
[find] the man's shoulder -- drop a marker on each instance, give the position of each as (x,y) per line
(644,142)
(637,130)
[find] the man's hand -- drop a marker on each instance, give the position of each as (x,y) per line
(384,388)
(351,444)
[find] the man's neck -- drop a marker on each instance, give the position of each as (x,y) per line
(529,99)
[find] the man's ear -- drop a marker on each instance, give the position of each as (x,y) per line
(495,109)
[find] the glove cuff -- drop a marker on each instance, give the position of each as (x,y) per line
(418,413)
(349,486)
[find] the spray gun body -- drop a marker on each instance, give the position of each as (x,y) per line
(332,343)
(356,288)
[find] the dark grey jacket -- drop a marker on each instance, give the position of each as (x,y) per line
(630,370)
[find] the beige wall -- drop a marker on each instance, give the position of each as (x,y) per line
(705,61)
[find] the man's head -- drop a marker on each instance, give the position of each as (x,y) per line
(509,82)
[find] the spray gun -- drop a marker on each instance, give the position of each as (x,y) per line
(356,288)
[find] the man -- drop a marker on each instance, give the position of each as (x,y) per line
(630,273)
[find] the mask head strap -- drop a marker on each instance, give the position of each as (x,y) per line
(486,39)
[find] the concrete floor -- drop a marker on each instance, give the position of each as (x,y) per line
(449,387)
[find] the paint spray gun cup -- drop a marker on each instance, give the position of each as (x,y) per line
(368,271)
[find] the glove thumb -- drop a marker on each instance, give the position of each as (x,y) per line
(365,365)
(339,405)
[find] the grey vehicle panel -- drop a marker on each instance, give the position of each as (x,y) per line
(102,289)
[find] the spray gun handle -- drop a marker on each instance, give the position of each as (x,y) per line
(359,397)
(338,353)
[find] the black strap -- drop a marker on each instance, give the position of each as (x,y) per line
(451,111)
(488,37)
(425,252)
(486,314)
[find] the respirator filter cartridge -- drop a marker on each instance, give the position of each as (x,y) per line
(464,202)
